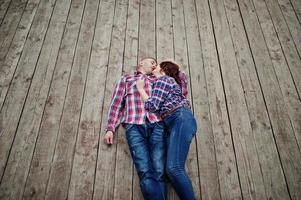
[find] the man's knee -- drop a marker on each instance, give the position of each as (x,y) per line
(158,162)
(151,187)
(160,174)
(147,185)
(174,170)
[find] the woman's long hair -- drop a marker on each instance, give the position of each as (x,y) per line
(171,69)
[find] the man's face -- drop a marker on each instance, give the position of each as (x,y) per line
(148,65)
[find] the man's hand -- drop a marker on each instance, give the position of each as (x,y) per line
(140,84)
(140,87)
(108,139)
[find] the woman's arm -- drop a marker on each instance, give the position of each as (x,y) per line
(159,92)
(184,82)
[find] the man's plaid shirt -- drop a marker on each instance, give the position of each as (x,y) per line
(127,106)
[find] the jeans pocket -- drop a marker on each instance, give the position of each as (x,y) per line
(160,124)
(128,126)
(192,129)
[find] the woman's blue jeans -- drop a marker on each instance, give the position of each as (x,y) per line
(182,127)
(148,150)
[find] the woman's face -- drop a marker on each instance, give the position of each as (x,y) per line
(157,71)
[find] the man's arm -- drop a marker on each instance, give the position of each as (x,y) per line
(115,110)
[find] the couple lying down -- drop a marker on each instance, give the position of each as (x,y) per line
(152,106)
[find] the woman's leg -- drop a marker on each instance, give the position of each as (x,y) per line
(182,128)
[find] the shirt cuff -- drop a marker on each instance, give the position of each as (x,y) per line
(110,128)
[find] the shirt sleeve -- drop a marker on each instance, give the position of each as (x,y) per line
(159,91)
(117,105)
(184,82)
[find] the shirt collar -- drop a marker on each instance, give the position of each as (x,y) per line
(138,73)
(151,76)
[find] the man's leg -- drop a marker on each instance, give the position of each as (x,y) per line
(158,152)
(137,140)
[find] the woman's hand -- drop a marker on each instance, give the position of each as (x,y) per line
(140,84)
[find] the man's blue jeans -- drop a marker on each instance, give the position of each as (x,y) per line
(182,127)
(147,146)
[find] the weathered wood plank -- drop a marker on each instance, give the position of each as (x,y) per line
(10,24)
(280,63)
(228,174)
(21,153)
(164,30)
(9,62)
(292,22)
(288,42)
(268,157)
(297,7)
(287,64)
(84,164)
(147,29)
(16,96)
(281,126)
(4,5)
(131,39)
(250,176)
(41,162)
(59,178)
(265,144)
(208,166)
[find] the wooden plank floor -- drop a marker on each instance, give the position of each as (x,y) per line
(59,61)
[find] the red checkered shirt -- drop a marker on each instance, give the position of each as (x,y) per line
(127,106)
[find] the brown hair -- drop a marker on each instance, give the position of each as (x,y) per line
(171,69)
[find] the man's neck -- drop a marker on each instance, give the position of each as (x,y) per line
(142,72)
